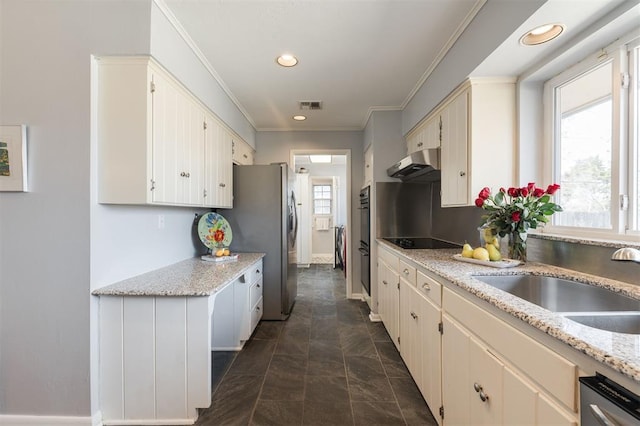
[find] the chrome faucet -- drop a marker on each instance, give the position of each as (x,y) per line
(627,253)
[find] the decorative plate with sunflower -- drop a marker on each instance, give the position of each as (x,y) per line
(214,230)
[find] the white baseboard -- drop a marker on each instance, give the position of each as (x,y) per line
(304,265)
(357,296)
(167,422)
(16,420)
(374,317)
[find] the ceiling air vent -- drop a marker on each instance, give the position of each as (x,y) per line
(310,105)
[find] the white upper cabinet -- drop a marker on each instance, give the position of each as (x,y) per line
(157,144)
(243,153)
(218,185)
(368,166)
(478,140)
(426,135)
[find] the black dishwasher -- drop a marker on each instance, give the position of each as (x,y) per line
(605,403)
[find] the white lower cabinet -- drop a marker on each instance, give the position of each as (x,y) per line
(481,385)
(389,294)
(155,351)
(471,367)
(237,310)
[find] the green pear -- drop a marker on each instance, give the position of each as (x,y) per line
(481,253)
(494,253)
(467,251)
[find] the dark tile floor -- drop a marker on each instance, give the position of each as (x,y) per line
(326,365)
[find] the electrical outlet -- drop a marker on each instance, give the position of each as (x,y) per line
(160,221)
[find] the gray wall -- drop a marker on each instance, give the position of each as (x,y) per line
(56,242)
(274,147)
(493,24)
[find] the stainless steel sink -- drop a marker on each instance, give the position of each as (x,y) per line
(560,295)
(620,323)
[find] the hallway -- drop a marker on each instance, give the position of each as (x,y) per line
(327,365)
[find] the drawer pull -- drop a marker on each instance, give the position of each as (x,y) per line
(257,308)
(257,271)
(258,285)
(413,315)
(426,287)
(405,271)
(384,282)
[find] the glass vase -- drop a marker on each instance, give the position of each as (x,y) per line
(517,247)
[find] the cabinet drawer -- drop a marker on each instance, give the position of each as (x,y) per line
(389,258)
(407,272)
(555,374)
(255,293)
(253,273)
(256,314)
(429,287)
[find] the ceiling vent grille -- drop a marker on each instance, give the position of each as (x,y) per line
(310,105)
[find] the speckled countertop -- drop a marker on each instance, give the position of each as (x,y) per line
(191,277)
(619,351)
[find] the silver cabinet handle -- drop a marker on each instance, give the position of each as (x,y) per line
(462,173)
(257,271)
(257,308)
(183,174)
(258,285)
(600,416)
(384,282)
(426,287)
(405,271)
(483,396)
(419,144)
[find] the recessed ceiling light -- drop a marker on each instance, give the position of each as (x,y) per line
(299,117)
(542,34)
(320,158)
(287,60)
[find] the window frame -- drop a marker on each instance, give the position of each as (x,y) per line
(623,149)
(330,198)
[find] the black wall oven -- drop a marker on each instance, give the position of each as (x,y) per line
(365,239)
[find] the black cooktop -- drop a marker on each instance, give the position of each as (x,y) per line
(421,243)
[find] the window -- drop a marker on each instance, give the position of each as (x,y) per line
(321,199)
(593,115)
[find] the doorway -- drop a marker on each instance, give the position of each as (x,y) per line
(323,189)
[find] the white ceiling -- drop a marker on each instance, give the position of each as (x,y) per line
(355,56)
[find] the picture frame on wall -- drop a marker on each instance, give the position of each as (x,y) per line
(13,158)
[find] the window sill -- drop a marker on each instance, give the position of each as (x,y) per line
(624,241)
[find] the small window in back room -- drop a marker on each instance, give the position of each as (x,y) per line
(321,199)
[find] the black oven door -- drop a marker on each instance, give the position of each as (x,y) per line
(365,267)
(365,217)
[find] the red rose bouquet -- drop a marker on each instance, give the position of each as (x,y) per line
(512,212)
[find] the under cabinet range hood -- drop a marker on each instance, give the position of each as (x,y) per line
(419,166)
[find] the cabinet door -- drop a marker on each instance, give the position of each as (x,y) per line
(485,385)
(225,170)
(212,135)
(388,282)
(193,155)
(456,386)
(167,162)
(433,132)
(410,318)
(550,414)
(455,186)
(519,400)
(430,353)
(178,144)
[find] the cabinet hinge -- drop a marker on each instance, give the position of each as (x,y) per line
(398,285)
(441,327)
(152,87)
(204,125)
(153,185)
(204,193)
(624,80)
(398,339)
(441,412)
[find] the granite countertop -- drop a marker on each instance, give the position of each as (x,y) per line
(619,351)
(191,277)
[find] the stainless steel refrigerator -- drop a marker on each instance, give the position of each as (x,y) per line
(263,219)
